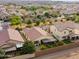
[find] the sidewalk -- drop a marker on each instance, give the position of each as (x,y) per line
(27,56)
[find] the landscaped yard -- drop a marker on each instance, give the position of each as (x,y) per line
(67,41)
(56,44)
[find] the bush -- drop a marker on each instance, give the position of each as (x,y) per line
(37,23)
(49,46)
(60,43)
(67,41)
(28,47)
(54,45)
(47,15)
(29,22)
(43,47)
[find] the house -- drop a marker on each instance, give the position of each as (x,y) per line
(65,30)
(3,13)
(10,39)
(36,34)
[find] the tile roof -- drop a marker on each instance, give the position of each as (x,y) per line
(4,37)
(35,33)
(64,25)
(7,35)
(15,35)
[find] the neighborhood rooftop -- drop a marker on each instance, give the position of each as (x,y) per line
(64,25)
(9,35)
(35,33)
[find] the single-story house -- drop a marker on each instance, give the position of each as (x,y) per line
(36,34)
(65,30)
(10,39)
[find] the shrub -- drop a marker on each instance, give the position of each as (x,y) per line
(28,47)
(43,47)
(37,23)
(29,22)
(60,43)
(49,46)
(67,41)
(47,15)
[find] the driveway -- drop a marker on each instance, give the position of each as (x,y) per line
(65,54)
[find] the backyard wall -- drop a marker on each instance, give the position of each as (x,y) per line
(52,50)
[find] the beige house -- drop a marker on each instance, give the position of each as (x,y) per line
(65,30)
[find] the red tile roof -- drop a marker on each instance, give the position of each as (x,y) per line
(7,35)
(14,35)
(4,37)
(35,33)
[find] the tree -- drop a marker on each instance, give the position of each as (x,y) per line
(39,16)
(70,18)
(55,14)
(28,47)
(32,8)
(37,23)
(46,14)
(15,20)
(29,22)
(76,18)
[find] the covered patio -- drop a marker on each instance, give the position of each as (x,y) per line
(44,40)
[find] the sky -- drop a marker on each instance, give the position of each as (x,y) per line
(41,0)
(65,0)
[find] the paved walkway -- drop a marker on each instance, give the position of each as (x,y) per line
(23,56)
(66,54)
